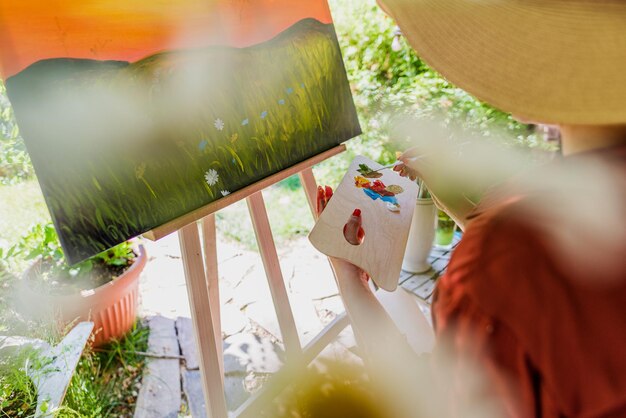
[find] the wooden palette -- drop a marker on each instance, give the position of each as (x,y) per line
(386,232)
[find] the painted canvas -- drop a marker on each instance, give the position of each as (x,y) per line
(138,112)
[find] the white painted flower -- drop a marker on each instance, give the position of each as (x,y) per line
(225,192)
(219,124)
(211,177)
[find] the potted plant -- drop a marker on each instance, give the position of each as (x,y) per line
(102,289)
(421,234)
(444,233)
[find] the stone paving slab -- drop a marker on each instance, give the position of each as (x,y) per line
(248,359)
(234,387)
(160,394)
(187,343)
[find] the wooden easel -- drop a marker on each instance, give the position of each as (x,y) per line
(369,320)
(201,274)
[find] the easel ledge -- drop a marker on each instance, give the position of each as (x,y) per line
(196,215)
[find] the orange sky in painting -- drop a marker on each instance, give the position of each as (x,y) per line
(128,30)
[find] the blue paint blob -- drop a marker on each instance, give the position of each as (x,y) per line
(289,90)
(371,194)
(375,196)
(281,102)
(264,114)
(202,145)
(245,122)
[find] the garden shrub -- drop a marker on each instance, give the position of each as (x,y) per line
(388,83)
(14,160)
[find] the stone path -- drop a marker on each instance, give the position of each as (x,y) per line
(172,385)
(252,340)
(160,393)
(253,350)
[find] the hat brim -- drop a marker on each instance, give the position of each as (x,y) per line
(549,61)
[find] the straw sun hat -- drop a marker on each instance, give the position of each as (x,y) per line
(554,61)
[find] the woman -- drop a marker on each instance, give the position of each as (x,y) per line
(536,291)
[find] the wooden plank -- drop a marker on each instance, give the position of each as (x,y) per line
(416,281)
(386,232)
(267,248)
(310,189)
(209,348)
(223,202)
(427,289)
(404,276)
(209,238)
(59,363)
(160,394)
(440,265)
(187,343)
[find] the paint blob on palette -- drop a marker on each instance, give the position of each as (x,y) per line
(375,189)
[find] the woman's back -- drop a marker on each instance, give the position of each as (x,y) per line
(539,301)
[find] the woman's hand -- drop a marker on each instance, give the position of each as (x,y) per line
(446,192)
(352,231)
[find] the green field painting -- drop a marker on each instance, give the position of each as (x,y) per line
(120,148)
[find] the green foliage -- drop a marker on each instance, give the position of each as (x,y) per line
(21,205)
(14,160)
(105,383)
(331,390)
(18,396)
(287,209)
(41,242)
(107,380)
(119,256)
(388,81)
(390,84)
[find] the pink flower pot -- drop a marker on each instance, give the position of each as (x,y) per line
(112,307)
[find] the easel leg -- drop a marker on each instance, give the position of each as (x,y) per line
(209,347)
(310,189)
(267,248)
(209,240)
(309,184)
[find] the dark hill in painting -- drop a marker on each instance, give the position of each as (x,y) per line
(122,148)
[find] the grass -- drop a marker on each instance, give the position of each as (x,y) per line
(21,205)
(288,212)
(253,112)
(107,381)
(18,396)
(105,384)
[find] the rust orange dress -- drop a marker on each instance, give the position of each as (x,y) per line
(550,340)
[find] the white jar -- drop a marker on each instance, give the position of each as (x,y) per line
(421,236)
